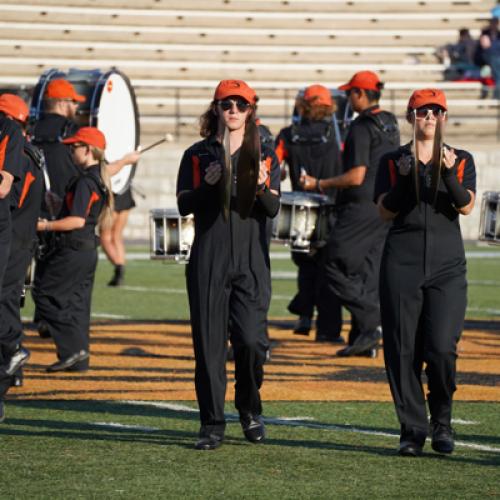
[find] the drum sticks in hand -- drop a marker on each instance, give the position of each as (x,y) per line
(166,138)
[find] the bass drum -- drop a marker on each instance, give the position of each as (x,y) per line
(110,105)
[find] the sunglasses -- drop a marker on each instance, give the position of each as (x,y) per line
(425,112)
(241,104)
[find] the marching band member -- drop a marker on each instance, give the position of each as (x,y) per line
(311,146)
(14,239)
(228,275)
(423,288)
(68,271)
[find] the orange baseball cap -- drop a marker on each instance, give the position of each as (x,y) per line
(88,135)
(15,107)
(228,88)
(424,97)
(62,89)
(318,95)
(366,80)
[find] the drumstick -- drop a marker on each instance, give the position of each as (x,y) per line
(167,138)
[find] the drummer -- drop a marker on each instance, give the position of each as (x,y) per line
(310,146)
(228,275)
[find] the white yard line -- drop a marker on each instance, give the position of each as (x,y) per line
(309,423)
(115,425)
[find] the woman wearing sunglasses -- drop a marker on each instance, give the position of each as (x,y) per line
(64,303)
(423,287)
(228,275)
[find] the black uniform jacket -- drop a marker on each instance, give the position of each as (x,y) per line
(27,196)
(425,234)
(237,242)
(86,197)
(47,135)
(11,153)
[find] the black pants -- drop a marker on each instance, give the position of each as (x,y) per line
(64,297)
(11,328)
(353,261)
(422,320)
(222,302)
(313,291)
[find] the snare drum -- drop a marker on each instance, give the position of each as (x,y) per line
(171,235)
(110,105)
(298,219)
(489,226)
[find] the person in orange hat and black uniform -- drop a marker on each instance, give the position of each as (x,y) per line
(61,102)
(68,272)
(423,287)
(356,240)
(26,197)
(311,146)
(11,163)
(228,275)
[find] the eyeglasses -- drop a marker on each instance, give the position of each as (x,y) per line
(241,104)
(426,112)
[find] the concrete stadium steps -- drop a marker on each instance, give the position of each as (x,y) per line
(283,5)
(201,70)
(201,52)
(229,36)
(227,18)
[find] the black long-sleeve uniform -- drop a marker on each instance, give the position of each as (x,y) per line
(228,281)
(67,274)
(357,238)
(312,146)
(423,292)
(27,195)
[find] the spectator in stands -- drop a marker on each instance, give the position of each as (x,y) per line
(459,57)
(488,54)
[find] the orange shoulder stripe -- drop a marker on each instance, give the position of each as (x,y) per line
(460,171)
(392,173)
(281,151)
(269,164)
(195,161)
(28,180)
(93,198)
(3,149)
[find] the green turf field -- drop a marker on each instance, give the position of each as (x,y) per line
(329,450)
(156,290)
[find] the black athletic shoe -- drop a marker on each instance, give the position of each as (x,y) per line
(409,449)
(253,428)
(302,326)
(442,438)
(43,330)
(363,344)
(118,276)
(68,363)
(17,360)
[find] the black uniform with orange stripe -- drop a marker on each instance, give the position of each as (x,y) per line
(357,238)
(67,274)
(312,146)
(423,291)
(11,152)
(228,281)
(27,195)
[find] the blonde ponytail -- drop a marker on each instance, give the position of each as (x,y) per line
(106,216)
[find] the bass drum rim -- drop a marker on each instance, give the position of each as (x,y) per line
(94,111)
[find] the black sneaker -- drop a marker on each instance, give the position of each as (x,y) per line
(442,438)
(67,363)
(17,360)
(302,326)
(118,276)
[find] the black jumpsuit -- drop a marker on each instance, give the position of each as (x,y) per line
(312,146)
(229,286)
(356,241)
(11,153)
(27,195)
(423,295)
(67,273)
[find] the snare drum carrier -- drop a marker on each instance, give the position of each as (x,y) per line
(110,106)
